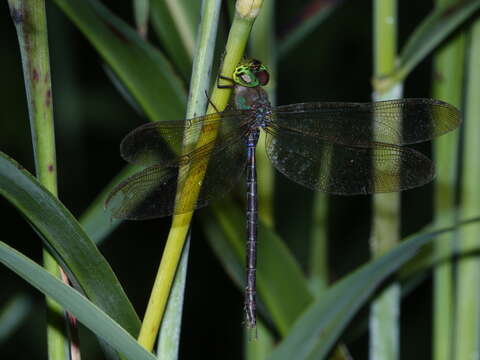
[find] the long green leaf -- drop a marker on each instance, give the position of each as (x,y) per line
(85,311)
(144,70)
(320,326)
(175,24)
(442,21)
(67,242)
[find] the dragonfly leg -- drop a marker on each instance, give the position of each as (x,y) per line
(225,86)
(211,102)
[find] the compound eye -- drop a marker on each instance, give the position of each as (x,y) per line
(263,77)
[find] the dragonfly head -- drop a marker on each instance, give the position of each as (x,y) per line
(251,73)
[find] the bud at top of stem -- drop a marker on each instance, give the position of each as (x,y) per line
(248,8)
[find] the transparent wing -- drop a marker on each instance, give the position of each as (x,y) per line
(355,123)
(151,193)
(347,170)
(164,142)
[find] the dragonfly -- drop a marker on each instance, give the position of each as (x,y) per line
(334,147)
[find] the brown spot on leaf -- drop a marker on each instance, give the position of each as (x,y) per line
(50,168)
(48,97)
(35,75)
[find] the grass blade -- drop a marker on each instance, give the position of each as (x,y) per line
(318,329)
(67,241)
(143,69)
(86,312)
(441,22)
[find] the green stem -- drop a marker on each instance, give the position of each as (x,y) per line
(467,327)
(169,337)
(384,316)
(246,12)
(448,83)
(30,21)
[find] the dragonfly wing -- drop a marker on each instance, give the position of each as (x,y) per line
(151,193)
(359,124)
(147,194)
(161,143)
(348,170)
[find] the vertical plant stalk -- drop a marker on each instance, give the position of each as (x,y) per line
(169,337)
(384,313)
(467,325)
(30,22)
(447,86)
(245,15)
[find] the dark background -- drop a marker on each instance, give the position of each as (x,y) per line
(333,63)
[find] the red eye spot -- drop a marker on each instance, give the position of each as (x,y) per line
(263,77)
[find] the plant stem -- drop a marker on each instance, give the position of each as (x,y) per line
(448,83)
(467,327)
(384,316)
(169,337)
(30,21)
(246,12)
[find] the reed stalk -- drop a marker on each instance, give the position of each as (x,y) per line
(169,337)
(30,21)
(384,315)
(447,86)
(467,322)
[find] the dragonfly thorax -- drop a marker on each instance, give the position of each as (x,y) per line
(254,99)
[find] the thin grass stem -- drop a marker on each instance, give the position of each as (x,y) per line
(384,315)
(467,327)
(447,86)
(30,22)
(169,336)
